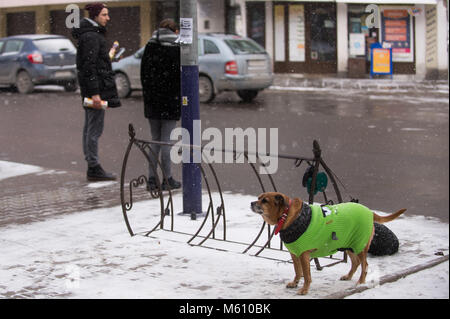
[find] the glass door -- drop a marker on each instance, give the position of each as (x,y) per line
(305,38)
(322,42)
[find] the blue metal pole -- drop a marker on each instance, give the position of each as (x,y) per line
(192,183)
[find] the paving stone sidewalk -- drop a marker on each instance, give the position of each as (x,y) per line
(34,197)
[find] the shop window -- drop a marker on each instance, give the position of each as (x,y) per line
(256,22)
(323,34)
(396,30)
(360,36)
(398,33)
(20,23)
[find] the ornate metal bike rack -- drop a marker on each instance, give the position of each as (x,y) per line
(217,213)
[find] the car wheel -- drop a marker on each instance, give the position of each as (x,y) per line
(24,84)
(70,86)
(247,95)
(206,89)
(122,85)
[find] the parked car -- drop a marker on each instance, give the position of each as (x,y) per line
(28,60)
(226,63)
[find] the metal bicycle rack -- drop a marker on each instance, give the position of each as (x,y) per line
(217,213)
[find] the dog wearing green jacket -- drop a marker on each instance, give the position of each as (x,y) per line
(310,231)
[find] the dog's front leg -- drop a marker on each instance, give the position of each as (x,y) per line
(304,261)
(298,272)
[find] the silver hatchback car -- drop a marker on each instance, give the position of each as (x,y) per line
(226,63)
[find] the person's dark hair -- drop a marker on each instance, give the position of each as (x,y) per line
(169,24)
(94,9)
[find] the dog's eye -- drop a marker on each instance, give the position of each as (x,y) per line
(264,201)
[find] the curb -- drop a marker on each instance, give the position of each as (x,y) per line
(389,278)
(403,84)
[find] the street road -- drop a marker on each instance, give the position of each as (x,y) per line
(389,149)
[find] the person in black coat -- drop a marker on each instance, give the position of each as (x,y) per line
(161,85)
(96,81)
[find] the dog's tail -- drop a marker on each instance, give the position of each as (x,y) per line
(384,219)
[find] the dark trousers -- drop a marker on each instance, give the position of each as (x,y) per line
(93,129)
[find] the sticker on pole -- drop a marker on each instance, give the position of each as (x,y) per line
(185,101)
(186,30)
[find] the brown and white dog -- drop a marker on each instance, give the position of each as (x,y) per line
(278,209)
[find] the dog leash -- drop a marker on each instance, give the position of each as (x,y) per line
(283,218)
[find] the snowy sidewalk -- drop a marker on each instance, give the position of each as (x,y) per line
(24,199)
(400,83)
(89,254)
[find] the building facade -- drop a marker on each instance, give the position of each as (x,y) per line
(334,37)
(302,37)
(132,22)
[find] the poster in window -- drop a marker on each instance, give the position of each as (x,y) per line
(279,33)
(357,44)
(296,33)
(396,30)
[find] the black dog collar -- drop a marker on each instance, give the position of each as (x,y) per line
(298,227)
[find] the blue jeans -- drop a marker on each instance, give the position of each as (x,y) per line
(160,130)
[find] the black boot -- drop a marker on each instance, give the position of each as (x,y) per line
(151,184)
(170,184)
(96,173)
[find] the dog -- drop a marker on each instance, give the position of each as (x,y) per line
(311,231)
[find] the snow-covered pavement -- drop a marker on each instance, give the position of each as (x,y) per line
(90,254)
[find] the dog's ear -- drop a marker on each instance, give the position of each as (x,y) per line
(297,204)
(279,200)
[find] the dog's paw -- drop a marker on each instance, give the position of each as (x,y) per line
(292,284)
(346,278)
(302,291)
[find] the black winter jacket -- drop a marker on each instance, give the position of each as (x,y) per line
(95,75)
(161,76)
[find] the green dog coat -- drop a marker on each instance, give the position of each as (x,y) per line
(331,228)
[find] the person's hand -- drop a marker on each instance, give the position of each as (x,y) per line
(97,101)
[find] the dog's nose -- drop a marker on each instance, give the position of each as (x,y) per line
(254,207)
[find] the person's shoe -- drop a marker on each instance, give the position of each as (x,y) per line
(97,173)
(151,184)
(170,184)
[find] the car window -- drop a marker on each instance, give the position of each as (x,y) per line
(13,46)
(210,47)
(243,46)
(54,45)
(1,46)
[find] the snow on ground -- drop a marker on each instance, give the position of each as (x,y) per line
(91,255)
(11,169)
(339,91)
